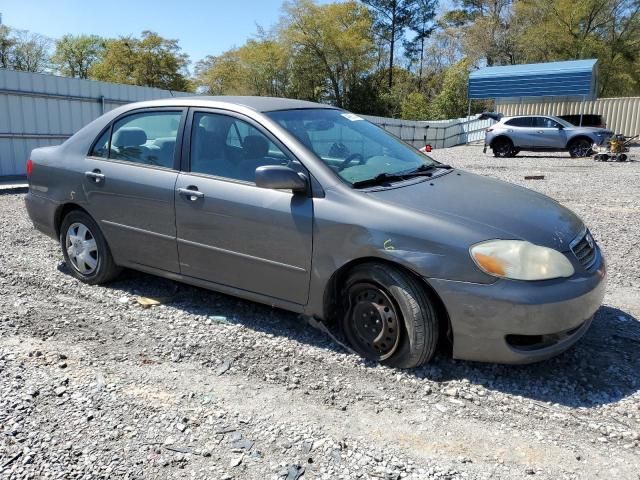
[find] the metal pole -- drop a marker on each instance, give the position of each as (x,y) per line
(468,122)
(582,108)
(101,104)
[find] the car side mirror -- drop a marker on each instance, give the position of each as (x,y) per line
(560,127)
(279,177)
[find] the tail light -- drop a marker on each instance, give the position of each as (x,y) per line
(29,167)
(427,148)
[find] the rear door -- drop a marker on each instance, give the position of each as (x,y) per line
(129,182)
(520,132)
(230,231)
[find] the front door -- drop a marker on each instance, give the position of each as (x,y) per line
(129,182)
(230,231)
(548,134)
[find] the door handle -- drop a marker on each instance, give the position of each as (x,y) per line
(95,175)
(192,193)
(540,131)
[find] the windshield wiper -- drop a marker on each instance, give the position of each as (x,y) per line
(422,170)
(378,179)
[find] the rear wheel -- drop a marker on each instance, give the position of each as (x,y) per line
(580,147)
(85,249)
(388,316)
(502,147)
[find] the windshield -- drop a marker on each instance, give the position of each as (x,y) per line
(355,149)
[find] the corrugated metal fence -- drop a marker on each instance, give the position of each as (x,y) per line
(38,110)
(622,115)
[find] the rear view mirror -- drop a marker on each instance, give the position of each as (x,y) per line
(279,177)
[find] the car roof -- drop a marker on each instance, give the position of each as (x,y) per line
(503,119)
(259,104)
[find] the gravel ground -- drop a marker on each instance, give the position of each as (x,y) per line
(93,385)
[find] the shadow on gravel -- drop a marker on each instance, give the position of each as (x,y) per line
(601,368)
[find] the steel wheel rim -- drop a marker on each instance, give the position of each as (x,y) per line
(82,248)
(374,321)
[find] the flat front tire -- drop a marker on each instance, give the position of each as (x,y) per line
(388,316)
(85,249)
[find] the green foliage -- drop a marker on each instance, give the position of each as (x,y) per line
(452,100)
(151,61)
(415,107)
(74,55)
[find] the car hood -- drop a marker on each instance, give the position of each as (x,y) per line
(593,130)
(498,209)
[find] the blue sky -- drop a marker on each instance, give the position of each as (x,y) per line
(203,27)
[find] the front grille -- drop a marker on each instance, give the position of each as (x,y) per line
(584,248)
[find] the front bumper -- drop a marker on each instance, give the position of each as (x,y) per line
(520,322)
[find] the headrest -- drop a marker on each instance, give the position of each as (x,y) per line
(255,146)
(129,137)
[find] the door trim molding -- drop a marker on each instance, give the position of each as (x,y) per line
(138,230)
(242,255)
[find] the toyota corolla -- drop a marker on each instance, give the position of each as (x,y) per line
(313,209)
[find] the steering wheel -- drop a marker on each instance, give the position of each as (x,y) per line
(351,158)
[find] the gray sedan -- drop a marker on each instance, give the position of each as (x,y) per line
(312,209)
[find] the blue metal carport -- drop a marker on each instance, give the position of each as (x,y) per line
(576,78)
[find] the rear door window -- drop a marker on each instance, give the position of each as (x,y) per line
(147,138)
(519,122)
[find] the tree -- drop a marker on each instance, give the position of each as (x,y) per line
(75,55)
(422,22)
(606,29)
(259,67)
(451,102)
(337,36)
(487,30)
(415,107)
(30,53)
(391,19)
(7,44)
(151,61)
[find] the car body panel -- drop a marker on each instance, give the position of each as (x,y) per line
(287,249)
(541,138)
(246,237)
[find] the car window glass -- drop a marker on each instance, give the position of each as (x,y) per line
(231,148)
(148,138)
(544,122)
(354,148)
(519,122)
(101,147)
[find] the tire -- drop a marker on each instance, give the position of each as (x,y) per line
(85,249)
(388,316)
(502,148)
(580,147)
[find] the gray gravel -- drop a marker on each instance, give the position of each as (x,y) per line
(93,385)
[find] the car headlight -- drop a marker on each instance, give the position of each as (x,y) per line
(520,260)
